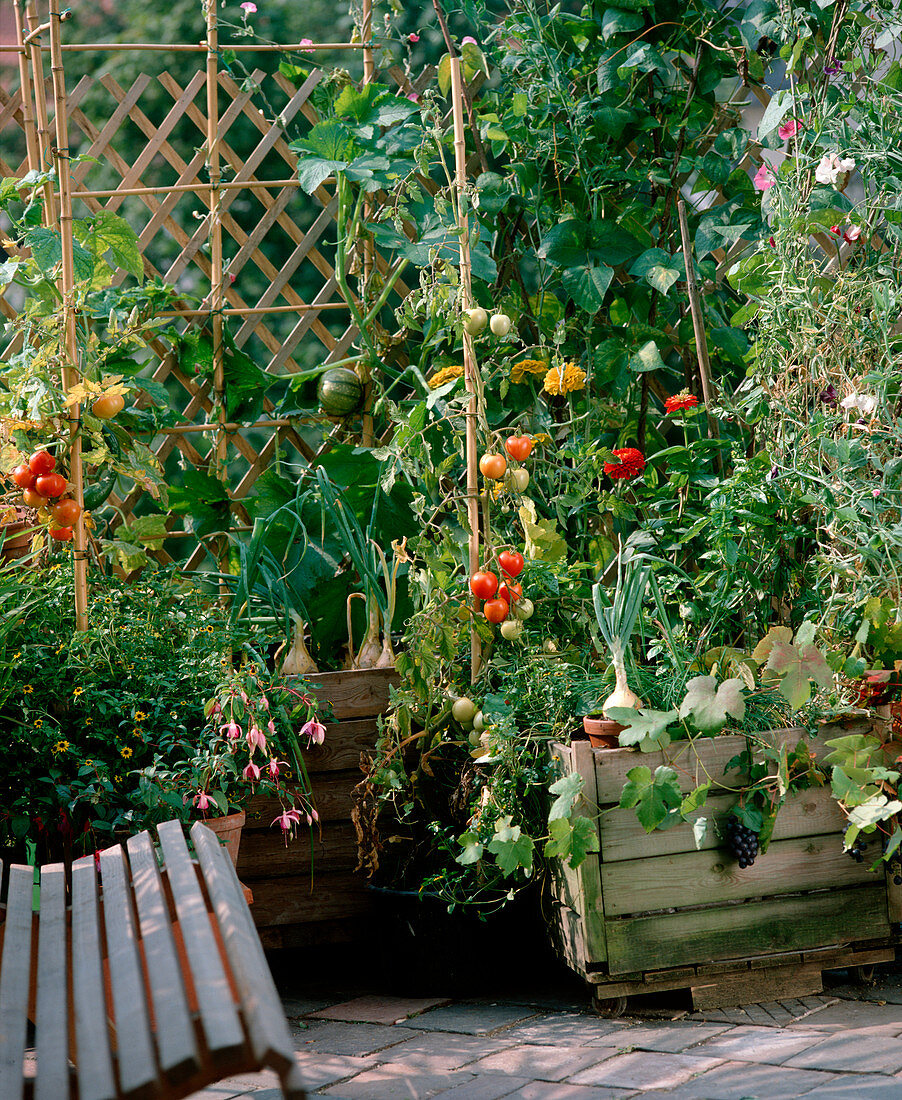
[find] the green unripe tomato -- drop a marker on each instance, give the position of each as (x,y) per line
(478,722)
(524,608)
(463,710)
(511,629)
(519,479)
(500,324)
(473,738)
(475,320)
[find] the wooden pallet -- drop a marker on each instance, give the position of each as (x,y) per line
(304,898)
(650,912)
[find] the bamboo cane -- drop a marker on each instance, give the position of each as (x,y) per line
(698,321)
(246,311)
(26,94)
(70,373)
(190,47)
(367,434)
(163,189)
(40,104)
(470,367)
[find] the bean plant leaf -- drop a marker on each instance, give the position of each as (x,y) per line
(657,797)
(46,248)
(568,789)
(646,728)
(511,847)
(796,669)
(647,358)
(708,703)
(587,285)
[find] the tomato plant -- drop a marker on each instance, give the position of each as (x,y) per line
(51,485)
(108,406)
(511,562)
(61,534)
(483,585)
(496,611)
(66,511)
(23,477)
(500,324)
(518,447)
(33,499)
(493,466)
(475,320)
(510,592)
(41,462)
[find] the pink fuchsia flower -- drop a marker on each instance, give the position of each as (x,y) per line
(469,40)
(271,726)
(251,771)
(264,702)
(287,821)
(250,8)
(875,493)
(232,730)
(256,738)
(273,767)
(316,731)
(216,708)
(308,43)
(764,178)
(413,97)
(413,38)
(852,234)
(202,800)
(790,129)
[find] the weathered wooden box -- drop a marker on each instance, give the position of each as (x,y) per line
(307,894)
(650,912)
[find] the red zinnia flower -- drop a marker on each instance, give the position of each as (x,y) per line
(682,400)
(631,463)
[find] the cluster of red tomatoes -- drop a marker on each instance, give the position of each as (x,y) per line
(499,599)
(494,466)
(43,488)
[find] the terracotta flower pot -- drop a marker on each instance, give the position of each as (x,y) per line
(228,829)
(603,733)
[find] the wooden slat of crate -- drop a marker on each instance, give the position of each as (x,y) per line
(344,743)
(265,855)
(806,813)
(356,694)
(793,922)
(755,986)
(332,796)
(714,877)
(296,899)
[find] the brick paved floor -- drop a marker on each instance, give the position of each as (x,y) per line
(844,1045)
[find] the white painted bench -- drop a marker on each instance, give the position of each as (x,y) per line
(148,983)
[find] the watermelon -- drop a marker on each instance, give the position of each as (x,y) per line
(340,392)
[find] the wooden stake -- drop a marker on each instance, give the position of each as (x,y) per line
(698,321)
(471,371)
(43,124)
(367,434)
(178,47)
(70,372)
(26,94)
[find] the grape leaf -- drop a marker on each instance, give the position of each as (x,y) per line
(643,726)
(763,648)
(511,847)
(699,831)
(877,808)
(849,790)
(796,669)
(472,848)
(568,789)
(656,798)
(708,703)
(572,841)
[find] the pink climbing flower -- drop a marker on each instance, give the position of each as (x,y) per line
(852,234)
(256,738)
(308,43)
(316,731)
(790,129)
(251,771)
(764,178)
(202,800)
(469,40)
(250,8)
(232,730)
(413,38)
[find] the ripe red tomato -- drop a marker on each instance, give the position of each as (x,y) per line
(496,610)
(510,592)
(51,485)
(483,585)
(33,499)
(41,462)
(66,511)
(108,406)
(493,466)
(518,447)
(62,534)
(511,563)
(23,477)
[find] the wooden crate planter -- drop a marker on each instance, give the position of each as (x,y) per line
(650,912)
(309,895)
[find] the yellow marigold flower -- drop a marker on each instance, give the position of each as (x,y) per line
(527,366)
(444,375)
(38,722)
(140,715)
(563,380)
(78,691)
(28,689)
(125,752)
(16,656)
(541,437)
(60,747)
(89,721)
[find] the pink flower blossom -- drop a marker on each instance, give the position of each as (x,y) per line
(875,493)
(835,230)
(413,97)
(251,771)
(249,7)
(271,726)
(852,234)
(308,42)
(771,242)
(264,702)
(256,738)
(232,730)
(790,129)
(469,40)
(764,178)
(273,767)
(316,731)
(202,800)
(216,708)
(413,38)
(243,697)
(287,820)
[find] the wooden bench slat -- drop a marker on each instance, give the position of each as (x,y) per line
(264,1015)
(52,1024)
(221,1024)
(94,1060)
(174,1031)
(134,1047)
(15,972)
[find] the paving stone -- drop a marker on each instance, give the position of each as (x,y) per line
(319,1069)
(542,1062)
(491,1086)
(645,1071)
(566,1029)
(671,1038)
(379,1010)
(548,1090)
(864,1086)
(391,1082)
(758,1044)
(474,1019)
(335,1037)
(749,1081)
(244,1082)
(296,1007)
(754,1014)
(853,1053)
(439,1051)
(857,1014)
